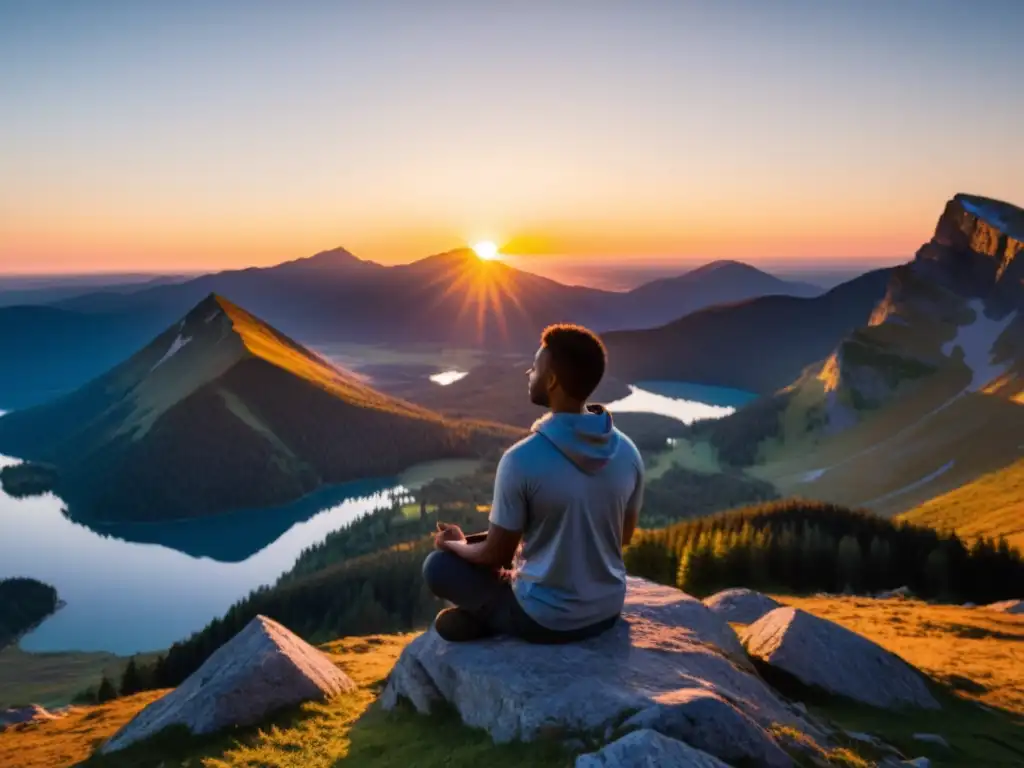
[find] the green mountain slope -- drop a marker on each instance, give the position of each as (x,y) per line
(219,412)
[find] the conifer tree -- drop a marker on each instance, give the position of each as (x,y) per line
(106,691)
(849,563)
(130,680)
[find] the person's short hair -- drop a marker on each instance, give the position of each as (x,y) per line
(578,358)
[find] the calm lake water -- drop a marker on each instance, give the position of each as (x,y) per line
(682,401)
(141,587)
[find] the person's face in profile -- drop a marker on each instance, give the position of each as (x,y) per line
(541,378)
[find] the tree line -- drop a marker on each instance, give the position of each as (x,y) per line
(803,547)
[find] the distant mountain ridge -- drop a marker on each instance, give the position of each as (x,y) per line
(222,411)
(758,345)
(452,298)
(335,295)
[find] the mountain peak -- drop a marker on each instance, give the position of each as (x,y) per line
(329,260)
(721,265)
(1006,217)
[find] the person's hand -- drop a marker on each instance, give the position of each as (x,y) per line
(447,532)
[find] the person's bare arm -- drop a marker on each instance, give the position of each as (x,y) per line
(495,551)
(632,516)
(629,526)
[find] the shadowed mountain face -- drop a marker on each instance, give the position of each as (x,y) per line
(222,412)
(758,345)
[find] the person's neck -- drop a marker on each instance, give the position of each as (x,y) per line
(575,408)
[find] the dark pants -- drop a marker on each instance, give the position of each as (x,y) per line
(486,594)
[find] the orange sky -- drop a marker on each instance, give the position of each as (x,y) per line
(187,137)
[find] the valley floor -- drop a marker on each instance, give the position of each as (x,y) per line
(979,654)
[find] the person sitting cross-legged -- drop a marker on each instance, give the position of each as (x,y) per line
(569,494)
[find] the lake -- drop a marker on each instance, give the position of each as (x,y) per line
(680,400)
(133,588)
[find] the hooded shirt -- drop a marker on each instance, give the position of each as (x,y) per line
(567,488)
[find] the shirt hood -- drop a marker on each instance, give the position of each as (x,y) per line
(588,440)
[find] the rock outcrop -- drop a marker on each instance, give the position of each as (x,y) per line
(262,669)
(740,606)
(669,665)
(825,655)
(1007,606)
(648,749)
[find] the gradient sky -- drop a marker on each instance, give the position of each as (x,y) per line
(208,134)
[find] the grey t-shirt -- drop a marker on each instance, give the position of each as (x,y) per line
(567,487)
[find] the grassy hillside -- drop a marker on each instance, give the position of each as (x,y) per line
(223,412)
(992,505)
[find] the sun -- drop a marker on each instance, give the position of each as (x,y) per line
(486,250)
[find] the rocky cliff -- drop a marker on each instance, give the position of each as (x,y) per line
(956,310)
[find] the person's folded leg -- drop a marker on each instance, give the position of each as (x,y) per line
(474,591)
(485,605)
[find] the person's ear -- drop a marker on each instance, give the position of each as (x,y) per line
(552,382)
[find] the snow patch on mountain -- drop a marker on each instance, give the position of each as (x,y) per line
(976,341)
(175,347)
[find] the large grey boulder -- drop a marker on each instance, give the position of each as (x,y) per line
(260,670)
(667,660)
(1007,606)
(821,653)
(740,606)
(648,749)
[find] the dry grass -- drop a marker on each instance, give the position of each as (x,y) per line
(976,660)
(979,653)
(992,505)
(348,731)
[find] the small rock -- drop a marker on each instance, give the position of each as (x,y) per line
(1007,606)
(648,749)
(800,707)
(826,655)
(261,669)
(919,762)
(867,738)
(932,738)
(903,593)
(33,713)
(740,606)
(709,723)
